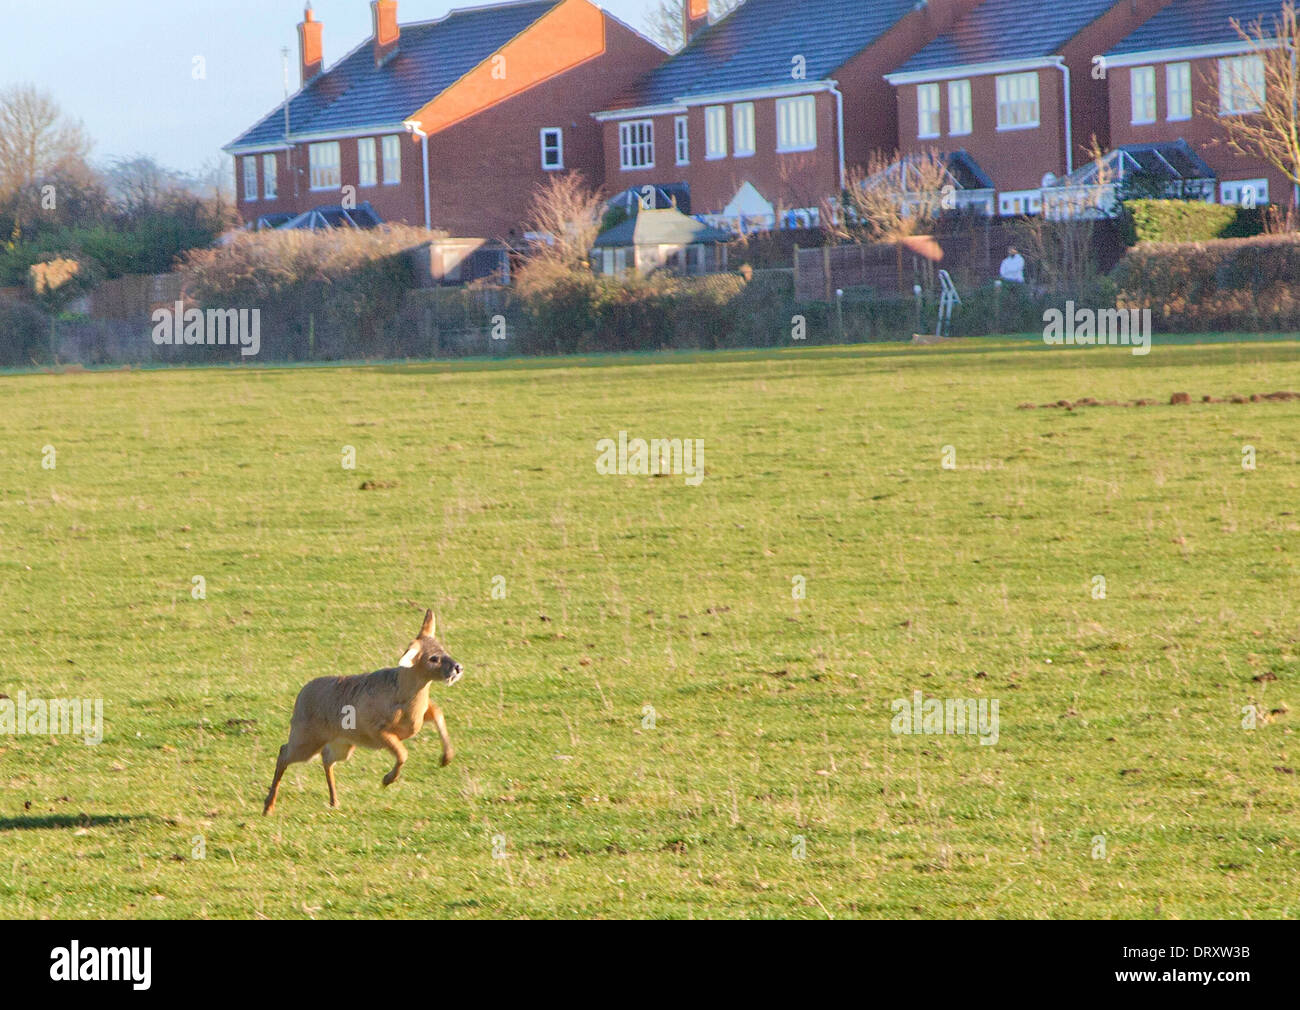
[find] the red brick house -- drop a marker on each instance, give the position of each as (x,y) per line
(1173,79)
(761,112)
(1018,88)
(449,123)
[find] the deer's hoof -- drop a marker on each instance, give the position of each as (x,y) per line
(446,758)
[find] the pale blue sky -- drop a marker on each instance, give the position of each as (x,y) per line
(125,67)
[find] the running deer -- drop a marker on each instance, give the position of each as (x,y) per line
(335,715)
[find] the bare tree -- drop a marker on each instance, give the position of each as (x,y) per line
(1270,134)
(35,137)
(893,198)
(664,23)
(567,212)
(1060,240)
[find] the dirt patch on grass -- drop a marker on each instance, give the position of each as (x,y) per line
(1177,399)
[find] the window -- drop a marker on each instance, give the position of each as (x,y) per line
(367,162)
(715,131)
(796,123)
(1027,201)
(269,181)
(250,178)
(1178,87)
(1248,193)
(742,117)
(683,139)
(1017,101)
(1142,89)
(1241,84)
(959,108)
(324,160)
(392,151)
(636,144)
(927,110)
(552,148)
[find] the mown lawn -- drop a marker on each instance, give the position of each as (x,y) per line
(650,722)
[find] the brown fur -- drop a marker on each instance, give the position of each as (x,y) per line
(335,715)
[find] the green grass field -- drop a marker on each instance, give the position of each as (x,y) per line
(1120,718)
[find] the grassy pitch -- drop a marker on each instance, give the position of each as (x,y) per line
(653,723)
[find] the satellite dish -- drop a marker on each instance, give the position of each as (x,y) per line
(1048,180)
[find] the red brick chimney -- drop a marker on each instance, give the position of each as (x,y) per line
(695,15)
(311,47)
(387,32)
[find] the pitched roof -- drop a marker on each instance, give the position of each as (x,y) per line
(432,56)
(999,31)
(753,45)
(660,227)
(1197,23)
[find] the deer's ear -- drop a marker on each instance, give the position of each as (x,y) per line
(430,625)
(412,654)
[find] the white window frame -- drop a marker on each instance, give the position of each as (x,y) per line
(270,177)
(326,172)
(1248,70)
(796,124)
(1018,202)
(715,132)
(1018,93)
(250,178)
(927,111)
(1182,111)
(636,145)
(961,109)
(391,151)
(556,134)
(1231,191)
(367,162)
(1142,95)
(743,136)
(682,139)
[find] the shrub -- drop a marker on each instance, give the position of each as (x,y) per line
(1177,220)
(1226,284)
(24,334)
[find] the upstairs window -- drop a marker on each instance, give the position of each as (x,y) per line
(743,124)
(1241,85)
(682,138)
(927,110)
(392,151)
(250,178)
(959,108)
(552,148)
(715,131)
(1178,88)
(324,162)
(269,181)
(796,123)
(367,162)
(1017,101)
(1142,85)
(636,144)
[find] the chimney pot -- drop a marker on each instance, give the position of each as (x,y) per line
(311,46)
(695,15)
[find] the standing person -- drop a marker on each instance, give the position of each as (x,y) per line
(1013,267)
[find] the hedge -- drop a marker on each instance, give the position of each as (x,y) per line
(1227,284)
(1187,221)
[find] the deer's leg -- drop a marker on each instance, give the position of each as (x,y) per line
(330,756)
(435,715)
(390,741)
(294,751)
